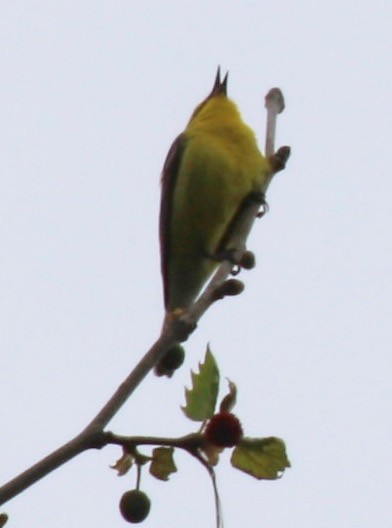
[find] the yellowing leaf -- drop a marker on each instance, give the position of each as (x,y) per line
(162,465)
(230,399)
(123,464)
(263,458)
(201,398)
(212,453)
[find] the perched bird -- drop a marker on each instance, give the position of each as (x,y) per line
(210,170)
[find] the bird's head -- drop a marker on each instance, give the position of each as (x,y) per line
(216,103)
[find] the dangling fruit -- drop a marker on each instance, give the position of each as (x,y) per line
(135,506)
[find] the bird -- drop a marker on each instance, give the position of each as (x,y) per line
(211,169)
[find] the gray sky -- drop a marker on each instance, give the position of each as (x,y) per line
(91,96)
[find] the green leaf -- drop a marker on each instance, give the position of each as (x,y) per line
(162,465)
(201,398)
(263,458)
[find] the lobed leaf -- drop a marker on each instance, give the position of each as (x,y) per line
(263,458)
(230,399)
(201,398)
(162,465)
(123,464)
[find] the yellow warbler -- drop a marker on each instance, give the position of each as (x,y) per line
(210,170)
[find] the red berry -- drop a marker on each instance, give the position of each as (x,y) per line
(224,430)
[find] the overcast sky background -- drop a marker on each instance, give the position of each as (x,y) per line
(91,96)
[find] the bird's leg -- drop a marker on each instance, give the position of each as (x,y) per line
(232,254)
(229,254)
(255,196)
(258,197)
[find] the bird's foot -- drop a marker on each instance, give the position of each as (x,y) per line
(259,198)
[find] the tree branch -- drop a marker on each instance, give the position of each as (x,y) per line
(93,435)
(189,442)
(175,330)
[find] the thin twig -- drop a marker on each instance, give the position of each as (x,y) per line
(189,442)
(93,435)
(274,104)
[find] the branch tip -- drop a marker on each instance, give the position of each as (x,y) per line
(274,103)
(274,100)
